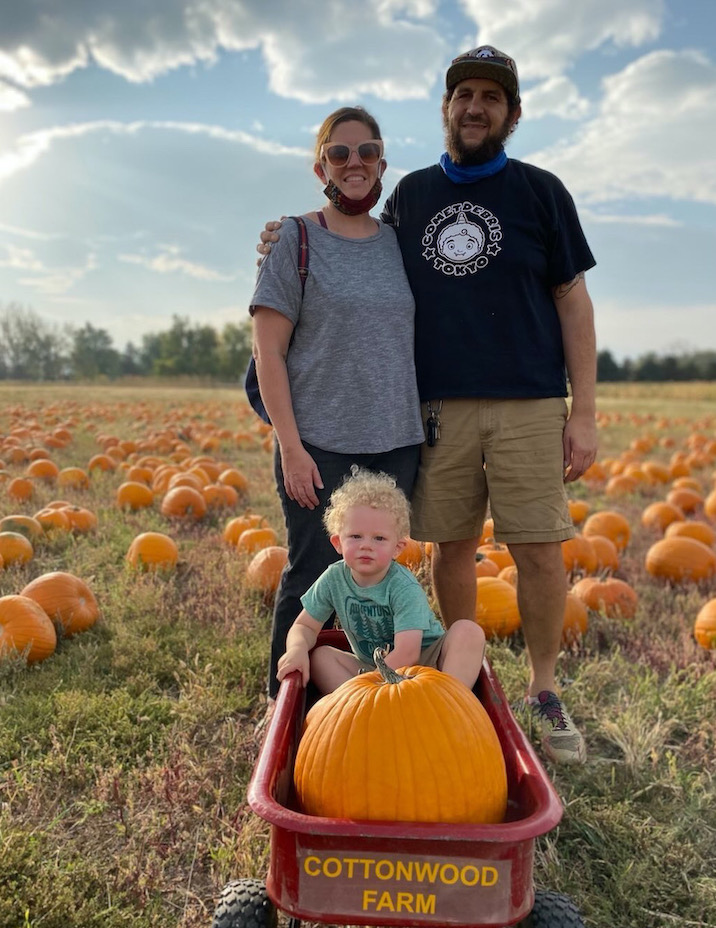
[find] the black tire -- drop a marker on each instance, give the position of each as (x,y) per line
(552,910)
(244,904)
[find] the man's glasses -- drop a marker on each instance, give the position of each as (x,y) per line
(339,155)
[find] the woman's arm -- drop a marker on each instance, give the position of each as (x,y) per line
(272,336)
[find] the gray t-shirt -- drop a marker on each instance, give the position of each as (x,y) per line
(351,365)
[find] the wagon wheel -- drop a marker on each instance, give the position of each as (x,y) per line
(552,910)
(244,904)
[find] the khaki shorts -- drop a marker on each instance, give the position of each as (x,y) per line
(509,451)
(428,656)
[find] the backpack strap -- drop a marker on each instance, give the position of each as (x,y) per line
(302,251)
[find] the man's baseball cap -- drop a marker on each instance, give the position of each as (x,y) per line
(485,61)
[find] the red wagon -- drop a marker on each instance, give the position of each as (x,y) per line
(386,873)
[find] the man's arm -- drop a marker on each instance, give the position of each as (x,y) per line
(576,317)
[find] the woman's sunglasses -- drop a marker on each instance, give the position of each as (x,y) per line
(339,155)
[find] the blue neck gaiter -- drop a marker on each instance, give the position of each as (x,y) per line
(469,173)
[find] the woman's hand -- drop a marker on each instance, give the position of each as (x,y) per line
(300,476)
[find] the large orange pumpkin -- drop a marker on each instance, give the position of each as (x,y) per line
(234,527)
(705,625)
(578,554)
(428,722)
(73,477)
(661,514)
(412,554)
(134,494)
(15,548)
(253,539)
(606,551)
(611,596)
(692,528)
(152,551)
(264,571)
(67,600)
(498,553)
(25,629)
(611,524)
(184,503)
(680,559)
(497,612)
(576,619)
(24,525)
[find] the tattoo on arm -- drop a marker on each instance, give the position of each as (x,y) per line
(563,289)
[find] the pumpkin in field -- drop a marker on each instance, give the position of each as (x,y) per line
(611,524)
(233,478)
(705,625)
(253,539)
(578,510)
(15,548)
(53,519)
(20,489)
(426,722)
(25,629)
(24,525)
(692,528)
(661,514)
(101,462)
(486,567)
(82,520)
(412,554)
(710,506)
(576,619)
(43,469)
(686,499)
(67,600)
(613,597)
(680,559)
(578,554)
(264,571)
(184,503)
(73,477)
(153,551)
(497,612)
(498,553)
(133,494)
(606,551)
(234,527)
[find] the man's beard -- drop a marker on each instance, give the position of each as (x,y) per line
(469,155)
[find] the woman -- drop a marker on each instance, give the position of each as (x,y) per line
(335,366)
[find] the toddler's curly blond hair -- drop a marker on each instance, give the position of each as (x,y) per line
(367,488)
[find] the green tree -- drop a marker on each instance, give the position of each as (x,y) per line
(29,348)
(93,354)
(234,350)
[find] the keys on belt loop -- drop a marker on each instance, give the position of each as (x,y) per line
(433,423)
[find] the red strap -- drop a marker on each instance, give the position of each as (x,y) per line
(302,251)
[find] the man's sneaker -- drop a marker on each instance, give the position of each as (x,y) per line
(561,739)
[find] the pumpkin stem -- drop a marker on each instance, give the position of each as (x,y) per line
(387,673)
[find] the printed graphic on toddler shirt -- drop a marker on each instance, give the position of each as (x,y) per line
(461,239)
(369,622)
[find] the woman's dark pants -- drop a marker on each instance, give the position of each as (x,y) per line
(310,550)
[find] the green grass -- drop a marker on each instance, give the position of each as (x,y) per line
(125,757)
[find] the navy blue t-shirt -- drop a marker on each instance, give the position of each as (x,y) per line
(482,259)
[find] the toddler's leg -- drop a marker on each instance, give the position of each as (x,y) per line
(463,650)
(330,667)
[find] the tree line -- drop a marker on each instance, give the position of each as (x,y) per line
(32,349)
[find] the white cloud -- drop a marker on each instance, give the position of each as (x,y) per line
(654,134)
(545,38)
(23,259)
(28,148)
(650,219)
(54,281)
(557,96)
(168,261)
(12,99)
(400,58)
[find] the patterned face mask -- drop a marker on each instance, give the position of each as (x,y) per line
(353,207)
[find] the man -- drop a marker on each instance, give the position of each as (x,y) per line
(496,256)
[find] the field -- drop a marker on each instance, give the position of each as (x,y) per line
(125,756)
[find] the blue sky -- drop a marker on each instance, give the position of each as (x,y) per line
(144,143)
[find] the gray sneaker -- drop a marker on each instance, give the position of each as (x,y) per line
(561,739)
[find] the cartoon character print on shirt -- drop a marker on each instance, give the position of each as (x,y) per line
(371,624)
(461,239)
